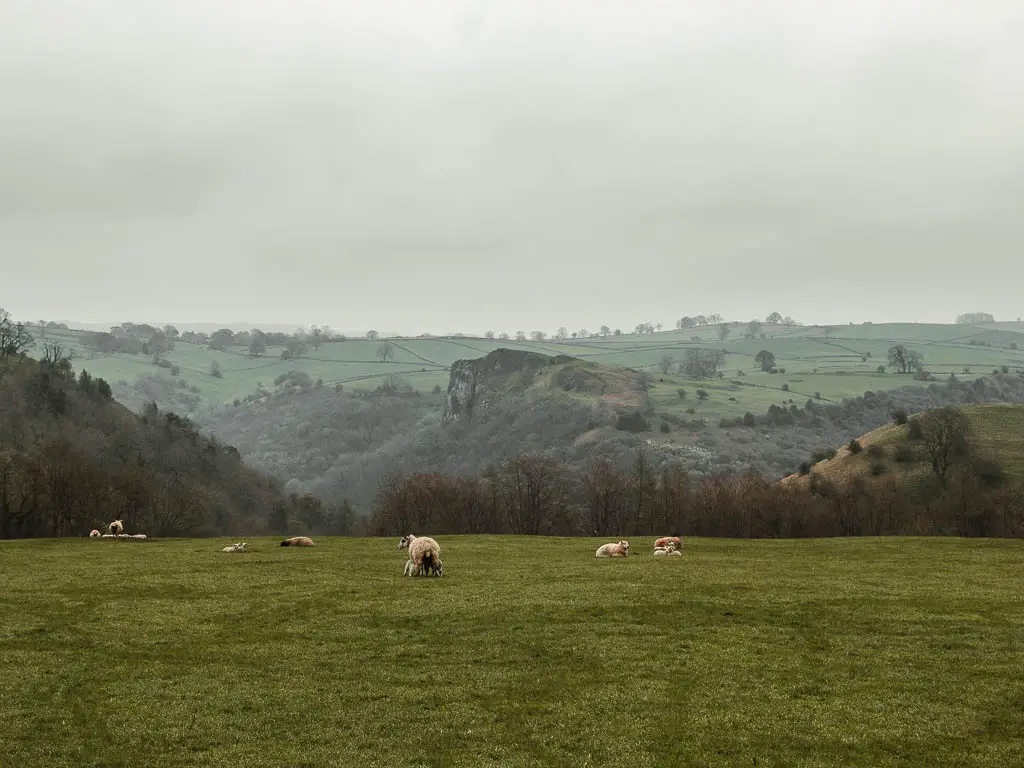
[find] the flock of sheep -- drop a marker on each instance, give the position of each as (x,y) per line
(666,546)
(424,552)
(115,531)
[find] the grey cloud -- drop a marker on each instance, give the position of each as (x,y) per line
(349,160)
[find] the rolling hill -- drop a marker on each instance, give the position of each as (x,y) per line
(826,363)
(993,444)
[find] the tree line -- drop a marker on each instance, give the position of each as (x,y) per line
(532,495)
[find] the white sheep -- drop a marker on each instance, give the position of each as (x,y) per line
(239,547)
(138,535)
(666,549)
(664,541)
(618,549)
(94,534)
(424,555)
(108,536)
(116,528)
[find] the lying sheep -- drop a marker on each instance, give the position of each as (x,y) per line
(620,549)
(239,547)
(297,541)
(116,528)
(138,535)
(94,534)
(424,555)
(668,549)
(664,540)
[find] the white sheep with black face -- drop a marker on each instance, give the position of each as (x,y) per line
(424,556)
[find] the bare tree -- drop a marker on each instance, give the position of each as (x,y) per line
(606,496)
(372,335)
(538,335)
(665,364)
(15,338)
(533,492)
(488,334)
(723,332)
(605,330)
(944,433)
(385,352)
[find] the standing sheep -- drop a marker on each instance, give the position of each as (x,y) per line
(424,555)
(620,549)
(116,528)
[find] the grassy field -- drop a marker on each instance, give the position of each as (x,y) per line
(530,652)
(837,362)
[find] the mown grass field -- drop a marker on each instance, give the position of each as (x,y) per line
(530,652)
(837,362)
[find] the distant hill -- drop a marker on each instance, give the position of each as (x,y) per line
(744,372)
(72,459)
(993,448)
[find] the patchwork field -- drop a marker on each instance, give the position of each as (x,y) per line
(827,363)
(530,652)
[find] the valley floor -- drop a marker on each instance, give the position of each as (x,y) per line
(529,652)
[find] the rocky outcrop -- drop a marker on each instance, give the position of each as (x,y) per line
(474,382)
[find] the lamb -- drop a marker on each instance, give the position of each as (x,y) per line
(138,535)
(668,549)
(116,528)
(94,534)
(664,540)
(620,549)
(424,555)
(297,541)
(239,547)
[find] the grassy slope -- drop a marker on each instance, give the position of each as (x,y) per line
(867,652)
(995,434)
(830,366)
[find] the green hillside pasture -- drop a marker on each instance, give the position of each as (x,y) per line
(995,431)
(529,652)
(842,365)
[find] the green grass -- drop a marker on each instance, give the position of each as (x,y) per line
(530,652)
(843,364)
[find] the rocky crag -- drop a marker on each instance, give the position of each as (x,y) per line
(474,384)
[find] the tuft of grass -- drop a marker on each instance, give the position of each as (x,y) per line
(529,652)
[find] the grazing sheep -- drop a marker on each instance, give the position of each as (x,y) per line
(424,555)
(620,549)
(116,528)
(94,534)
(297,541)
(664,540)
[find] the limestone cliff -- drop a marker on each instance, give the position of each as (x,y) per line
(473,384)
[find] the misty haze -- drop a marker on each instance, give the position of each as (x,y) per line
(491,383)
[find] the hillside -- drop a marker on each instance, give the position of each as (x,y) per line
(992,448)
(72,459)
(476,384)
(828,363)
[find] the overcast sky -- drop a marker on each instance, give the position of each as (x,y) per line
(462,165)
